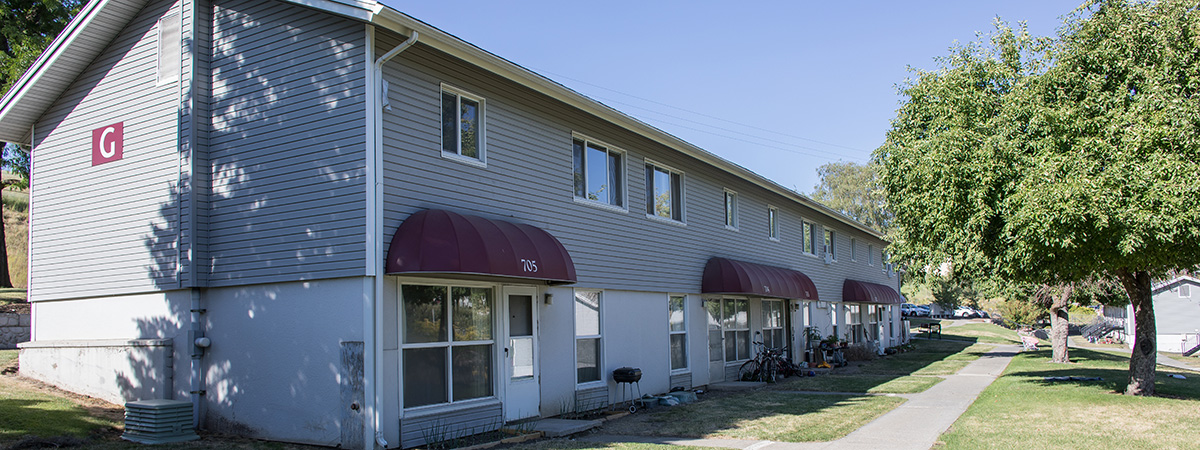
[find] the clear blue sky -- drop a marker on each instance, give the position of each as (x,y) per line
(777,87)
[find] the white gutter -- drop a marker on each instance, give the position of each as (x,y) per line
(373,307)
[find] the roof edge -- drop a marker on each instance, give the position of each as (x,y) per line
(400,22)
(18,90)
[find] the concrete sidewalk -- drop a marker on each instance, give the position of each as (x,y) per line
(915,425)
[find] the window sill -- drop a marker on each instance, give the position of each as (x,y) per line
(591,385)
(730,228)
(601,205)
(773,239)
(666,220)
(683,371)
(480,163)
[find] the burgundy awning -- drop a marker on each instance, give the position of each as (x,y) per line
(727,276)
(864,292)
(436,242)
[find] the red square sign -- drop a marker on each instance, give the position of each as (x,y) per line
(108,143)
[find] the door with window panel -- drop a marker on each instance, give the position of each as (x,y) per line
(522,394)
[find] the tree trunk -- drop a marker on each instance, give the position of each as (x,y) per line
(1059,325)
(1144,358)
(5,280)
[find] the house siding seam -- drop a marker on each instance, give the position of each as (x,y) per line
(129,241)
(528,180)
(286,145)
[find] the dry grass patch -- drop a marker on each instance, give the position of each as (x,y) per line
(762,415)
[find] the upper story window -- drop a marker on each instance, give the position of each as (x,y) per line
(830,241)
(598,173)
(731,209)
(773,223)
(170,51)
(1185,290)
(853,249)
(664,192)
(462,125)
(870,254)
(810,238)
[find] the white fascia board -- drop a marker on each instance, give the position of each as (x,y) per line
(399,22)
(46,62)
(354,9)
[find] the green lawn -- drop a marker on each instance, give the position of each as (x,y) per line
(571,444)
(982,332)
(28,411)
(903,373)
(1023,410)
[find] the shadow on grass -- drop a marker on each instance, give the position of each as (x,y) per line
(1112,368)
(780,413)
(43,418)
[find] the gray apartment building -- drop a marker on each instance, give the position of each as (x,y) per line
(328,222)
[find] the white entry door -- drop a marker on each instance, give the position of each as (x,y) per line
(521,395)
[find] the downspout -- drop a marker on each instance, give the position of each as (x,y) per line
(374,332)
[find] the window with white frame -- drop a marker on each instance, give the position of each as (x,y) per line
(735,321)
(677,312)
(870,254)
(853,249)
(855,313)
(1185,290)
(170,50)
(773,223)
(772,324)
(731,209)
(599,173)
(664,192)
(462,124)
(810,238)
(447,344)
(830,240)
(587,336)
(874,314)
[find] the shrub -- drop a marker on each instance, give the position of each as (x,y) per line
(1018,313)
(859,352)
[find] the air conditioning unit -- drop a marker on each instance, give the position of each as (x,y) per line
(159,422)
(828,258)
(891,270)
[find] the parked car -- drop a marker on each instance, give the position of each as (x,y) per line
(965,312)
(907,309)
(921,311)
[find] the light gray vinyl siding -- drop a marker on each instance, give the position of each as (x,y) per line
(528,179)
(1174,313)
(286,147)
(681,380)
(591,399)
(111,228)
(432,428)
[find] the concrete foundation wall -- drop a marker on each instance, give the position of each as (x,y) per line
(275,369)
(118,348)
(114,370)
(14,329)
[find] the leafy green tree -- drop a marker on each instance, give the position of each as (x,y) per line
(26,28)
(853,189)
(1052,162)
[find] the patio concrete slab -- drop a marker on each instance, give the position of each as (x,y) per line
(563,427)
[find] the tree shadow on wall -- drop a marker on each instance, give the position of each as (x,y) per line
(275,196)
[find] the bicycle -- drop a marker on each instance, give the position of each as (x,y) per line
(768,365)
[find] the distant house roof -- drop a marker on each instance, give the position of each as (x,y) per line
(1173,279)
(100,20)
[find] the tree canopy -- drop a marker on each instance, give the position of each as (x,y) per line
(1053,161)
(854,190)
